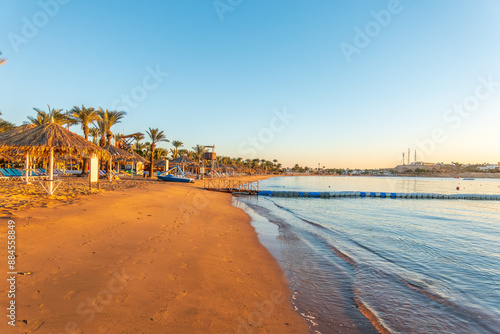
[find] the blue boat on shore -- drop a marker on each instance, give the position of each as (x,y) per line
(174,178)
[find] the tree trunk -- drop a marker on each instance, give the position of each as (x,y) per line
(151,161)
(85,166)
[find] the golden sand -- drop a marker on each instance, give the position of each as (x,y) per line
(152,258)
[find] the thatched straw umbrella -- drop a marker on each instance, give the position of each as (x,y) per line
(183,161)
(117,154)
(47,139)
(136,159)
(13,132)
(16,130)
(6,157)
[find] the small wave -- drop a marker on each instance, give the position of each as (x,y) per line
(370,315)
(342,255)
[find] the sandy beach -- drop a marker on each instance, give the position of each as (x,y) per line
(155,258)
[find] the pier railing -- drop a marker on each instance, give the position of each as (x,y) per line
(232,186)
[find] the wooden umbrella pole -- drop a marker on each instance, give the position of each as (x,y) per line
(51,171)
(27,168)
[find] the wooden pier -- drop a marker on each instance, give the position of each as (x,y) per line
(232,186)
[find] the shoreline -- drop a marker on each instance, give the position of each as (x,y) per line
(147,259)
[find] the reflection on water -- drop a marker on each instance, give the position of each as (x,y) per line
(398,265)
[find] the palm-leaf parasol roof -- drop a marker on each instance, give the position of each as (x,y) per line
(182,160)
(16,130)
(118,154)
(137,158)
(6,157)
(39,140)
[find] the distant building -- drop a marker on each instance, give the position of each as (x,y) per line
(488,167)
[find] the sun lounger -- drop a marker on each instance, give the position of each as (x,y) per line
(17,172)
(4,176)
(39,174)
(9,174)
(59,172)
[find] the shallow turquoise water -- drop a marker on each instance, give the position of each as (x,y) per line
(413,266)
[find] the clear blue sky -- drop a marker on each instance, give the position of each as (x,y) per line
(230,70)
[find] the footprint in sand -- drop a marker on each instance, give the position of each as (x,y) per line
(137,261)
(55,270)
(255,294)
(44,309)
(173,276)
(124,259)
(32,326)
(219,245)
(103,329)
(142,276)
(70,294)
(151,261)
(121,298)
(184,265)
(160,315)
(181,295)
(225,259)
(37,294)
(239,280)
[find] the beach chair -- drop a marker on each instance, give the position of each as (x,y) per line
(102,173)
(40,174)
(59,172)
(8,172)
(17,172)
(4,175)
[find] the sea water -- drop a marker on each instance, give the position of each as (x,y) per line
(368,265)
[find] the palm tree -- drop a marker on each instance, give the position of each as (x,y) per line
(108,119)
(198,152)
(176,144)
(140,149)
(43,117)
(100,125)
(119,140)
(156,137)
(70,121)
(138,138)
(5,126)
(94,133)
(161,153)
(84,116)
(183,152)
